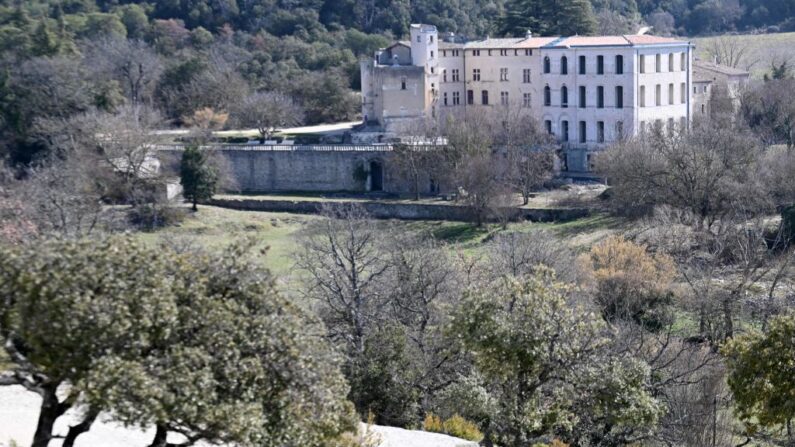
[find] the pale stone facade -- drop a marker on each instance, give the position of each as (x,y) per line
(707,75)
(588,91)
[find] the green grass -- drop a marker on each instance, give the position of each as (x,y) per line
(761,50)
(214,228)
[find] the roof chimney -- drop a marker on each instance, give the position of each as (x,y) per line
(528,34)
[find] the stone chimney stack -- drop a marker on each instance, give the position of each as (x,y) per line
(528,34)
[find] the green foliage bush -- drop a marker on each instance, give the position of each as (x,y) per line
(153,216)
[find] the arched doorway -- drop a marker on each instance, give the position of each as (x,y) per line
(376,176)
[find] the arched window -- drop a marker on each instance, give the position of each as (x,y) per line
(547,96)
(546,64)
(564,65)
(564,96)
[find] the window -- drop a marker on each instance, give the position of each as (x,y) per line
(670,62)
(403,84)
(526,100)
(682,123)
(600,131)
(419,39)
(619,97)
(476,74)
(430,39)
(619,130)
(670,94)
(564,130)
(444,96)
(503,52)
(470,97)
(444,75)
(526,76)
(582,65)
(431,70)
(546,64)
(476,52)
(564,65)
(504,98)
(642,64)
(456,98)
(600,97)
(528,52)
(642,95)
(683,62)
(600,65)
(683,93)
(455,75)
(484,97)
(583,135)
(657,63)
(670,126)
(582,96)
(564,96)
(444,53)
(547,96)
(489,52)
(431,54)
(548,126)
(503,74)
(620,64)
(657,95)
(695,89)
(642,127)
(703,109)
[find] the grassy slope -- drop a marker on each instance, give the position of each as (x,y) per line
(214,227)
(762,50)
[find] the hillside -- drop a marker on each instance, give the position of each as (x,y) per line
(760,50)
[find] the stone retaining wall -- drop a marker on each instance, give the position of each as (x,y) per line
(405,211)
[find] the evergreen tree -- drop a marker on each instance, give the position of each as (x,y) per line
(548,17)
(198,178)
(45,42)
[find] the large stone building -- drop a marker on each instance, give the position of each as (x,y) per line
(707,76)
(588,91)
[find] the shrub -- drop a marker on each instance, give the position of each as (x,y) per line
(433,423)
(153,216)
(455,426)
(631,283)
(461,428)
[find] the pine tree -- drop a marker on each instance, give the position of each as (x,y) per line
(45,42)
(198,178)
(548,17)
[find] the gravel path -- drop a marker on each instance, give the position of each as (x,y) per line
(19,410)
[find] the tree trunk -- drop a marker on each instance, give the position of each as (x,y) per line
(50,410)
(728,321)
(79,429)
(195,207)
(161,434)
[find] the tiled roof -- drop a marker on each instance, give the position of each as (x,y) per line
(625,40)
(645,39)
(510,42)
(450,45)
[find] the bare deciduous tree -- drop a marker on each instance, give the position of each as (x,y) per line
(345,270)
(132,62)
(267,112)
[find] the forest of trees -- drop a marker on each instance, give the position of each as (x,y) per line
(63,58)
